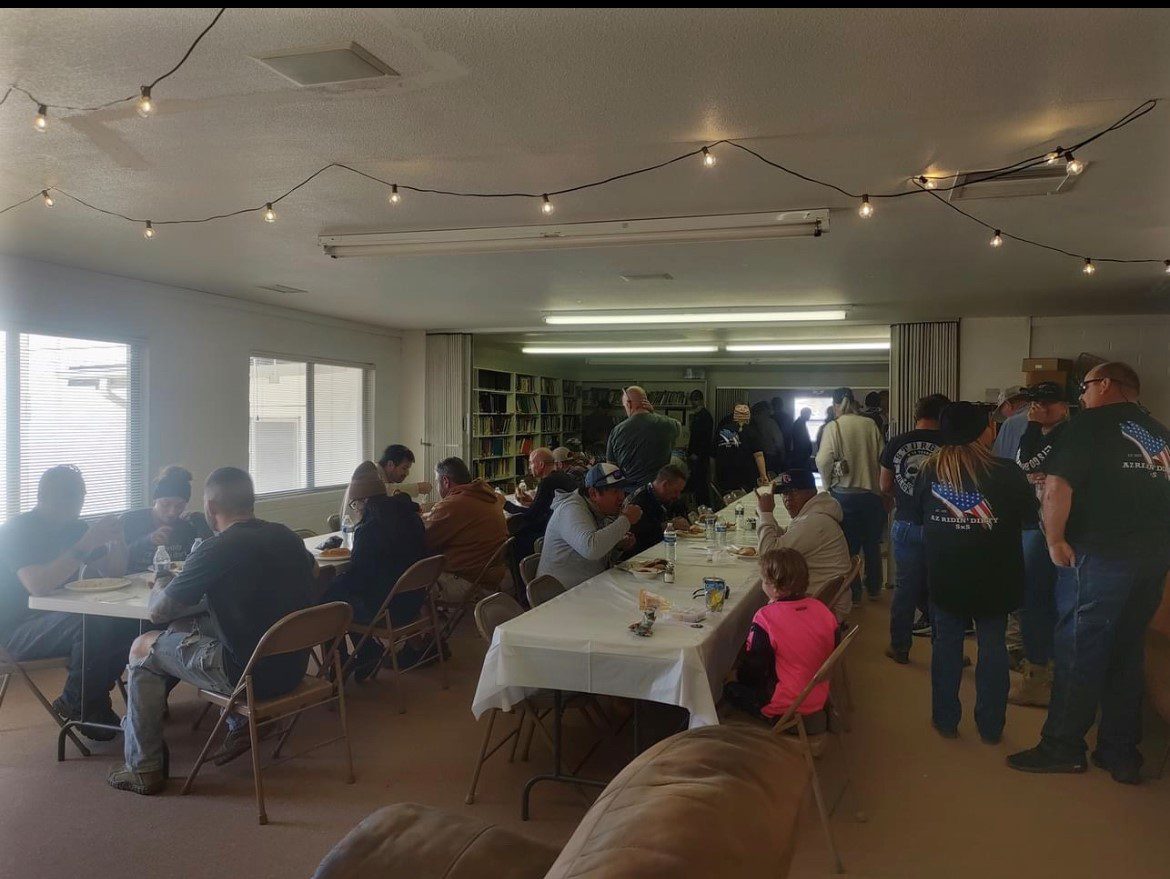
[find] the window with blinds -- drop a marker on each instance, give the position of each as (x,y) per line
(308,423)
(71,401)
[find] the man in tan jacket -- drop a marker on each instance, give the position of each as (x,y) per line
(466,527)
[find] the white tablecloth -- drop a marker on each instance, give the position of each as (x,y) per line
(580,642)
(127,603)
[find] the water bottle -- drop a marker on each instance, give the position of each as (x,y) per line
(670,538)
(720,536)
(739,519)
(709,524)
(194,546)
(347,532)
(162,561)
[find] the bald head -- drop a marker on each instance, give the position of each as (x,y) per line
(1109,383)
(634,400)
(541,462)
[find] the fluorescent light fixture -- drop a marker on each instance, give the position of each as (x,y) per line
(625,349)
(693,317)
(813,346)
(605,233)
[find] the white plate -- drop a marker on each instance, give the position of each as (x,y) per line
(98,584)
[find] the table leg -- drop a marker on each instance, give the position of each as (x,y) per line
(80,725)
(557,775)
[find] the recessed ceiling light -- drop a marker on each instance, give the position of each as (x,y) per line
(813,346)
(693,317)
(325,65)
(625,349)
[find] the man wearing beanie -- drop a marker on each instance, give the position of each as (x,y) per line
(161,524)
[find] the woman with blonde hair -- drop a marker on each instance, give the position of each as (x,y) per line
(972,508)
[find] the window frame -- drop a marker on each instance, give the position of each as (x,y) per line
(368,378)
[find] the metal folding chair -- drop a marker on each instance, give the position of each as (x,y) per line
(480,588)
(10,666)
(542,588)
(528,566)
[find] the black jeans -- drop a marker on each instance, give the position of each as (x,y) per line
(48,634)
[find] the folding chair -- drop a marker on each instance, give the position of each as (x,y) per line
(792,719)
(422,575)
(542,588)
(538,545)
(324,626)
(333,522)
(830,590)
(480,588)
(528,566)
(9,666)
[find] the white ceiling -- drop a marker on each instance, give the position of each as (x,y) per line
(540,99)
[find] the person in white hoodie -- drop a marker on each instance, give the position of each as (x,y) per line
(579,543)
(848,461)
(815,531)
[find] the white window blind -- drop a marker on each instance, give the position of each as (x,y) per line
(309,423)
(72,401)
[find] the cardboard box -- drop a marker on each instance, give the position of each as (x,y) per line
(1047,364)
(1034,378)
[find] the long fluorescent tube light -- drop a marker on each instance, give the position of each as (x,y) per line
(606,233)
(632,349)
(814,346)
(694,317)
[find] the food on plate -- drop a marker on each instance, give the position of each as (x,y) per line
(746,552)
(650,601)
(693,531)
(336,552)
(645,566)
(98,584)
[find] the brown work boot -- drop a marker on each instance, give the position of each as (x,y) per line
(1033,687)
(144,783)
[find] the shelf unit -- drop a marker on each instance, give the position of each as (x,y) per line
(515,412)
(669,397)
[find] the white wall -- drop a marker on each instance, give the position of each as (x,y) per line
(198,346)
(991,355)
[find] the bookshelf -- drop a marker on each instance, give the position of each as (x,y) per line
(669,397)
(514,413)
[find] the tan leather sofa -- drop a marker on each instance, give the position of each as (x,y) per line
(712,802)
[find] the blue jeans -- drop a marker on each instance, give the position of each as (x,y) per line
(190,654)
(864,523)
(911,593)
(991,671)
(1038,615)
(1103,605)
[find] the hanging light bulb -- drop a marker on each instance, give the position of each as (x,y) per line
(394,196)
(1089,267)
(928,182)
(1053,156)
(269,213)
(997,239)
(546,205)
(1166,262)
(148,232)
(41,122)
(46,198)
(1074,166)
(866,209)
(145,104)
(708,159)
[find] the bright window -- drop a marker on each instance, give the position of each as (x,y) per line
(71,401)
(818,405)
(308,423)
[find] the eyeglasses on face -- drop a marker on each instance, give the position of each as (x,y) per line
(1085,384)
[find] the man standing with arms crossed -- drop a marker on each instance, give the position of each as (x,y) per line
(1107,523)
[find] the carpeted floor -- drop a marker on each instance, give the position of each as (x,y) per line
(935,808)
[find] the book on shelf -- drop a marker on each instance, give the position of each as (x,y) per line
(494,469)
(493,403)
(526,384)
(494,448)
(527,405)
(548,385)
(491,425)
(525,445)
(527,424)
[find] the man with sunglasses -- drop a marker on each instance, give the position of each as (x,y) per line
(1107,525)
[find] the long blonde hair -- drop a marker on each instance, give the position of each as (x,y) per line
(954,465)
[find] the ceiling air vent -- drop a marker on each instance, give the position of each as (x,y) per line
(1040,180)
(633,278)
(281,289)
(327,65)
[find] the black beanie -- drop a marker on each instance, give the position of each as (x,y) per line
(172,482)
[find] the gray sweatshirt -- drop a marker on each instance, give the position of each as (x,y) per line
(816,534)
(577,543)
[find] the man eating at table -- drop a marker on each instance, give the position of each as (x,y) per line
(40,551)
(658,500)
(251,573)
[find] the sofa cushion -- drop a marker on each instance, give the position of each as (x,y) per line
(420,842)
(716,801)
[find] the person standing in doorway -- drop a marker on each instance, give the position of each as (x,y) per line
(1107,524)
(641,445)
(739,452)
(800,447)
(700,448)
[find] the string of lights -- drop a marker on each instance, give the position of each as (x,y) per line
(146,104)
(934,185)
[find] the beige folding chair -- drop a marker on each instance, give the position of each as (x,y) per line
(538,545)
(792,719)
(528,566)
(10,666)
(324,626)
(304,533)
(829,591)
(333,522)
(480,588)
(542,588)
(422,575)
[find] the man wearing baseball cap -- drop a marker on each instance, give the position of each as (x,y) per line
(582,534)
(1011,411)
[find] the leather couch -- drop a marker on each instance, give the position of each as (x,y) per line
(717,801)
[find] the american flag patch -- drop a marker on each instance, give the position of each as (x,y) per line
(1153,447)
(963,504)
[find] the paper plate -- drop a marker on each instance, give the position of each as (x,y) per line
(98,584)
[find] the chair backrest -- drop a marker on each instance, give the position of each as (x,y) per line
(855,571)
(822,675)
(303,629)
(421,575)
(542,588)
(503,548)
(538,545)
(333,522)
(528,568)
(829,589)
(494,610)
(305,532)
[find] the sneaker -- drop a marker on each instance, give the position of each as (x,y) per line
(1039,760)
(144,783)
(902,657)
(921,627)
(1123,771)
(238,742)
(102,714)
(1034,686)
(947,732)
